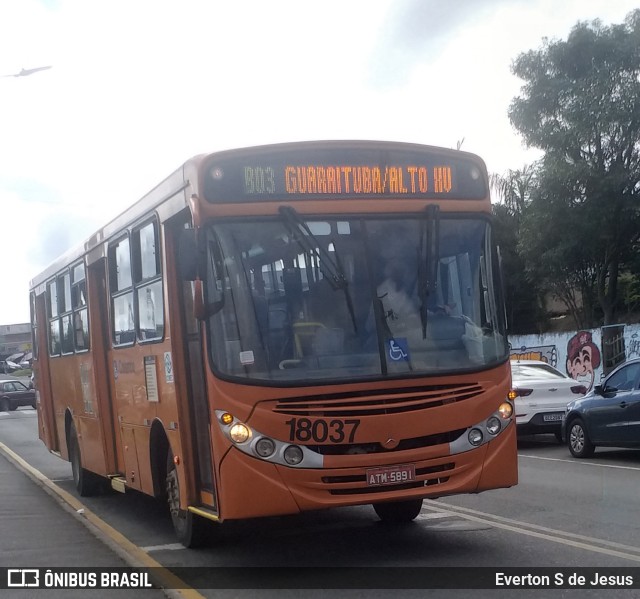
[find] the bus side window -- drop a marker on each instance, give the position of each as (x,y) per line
(121,289)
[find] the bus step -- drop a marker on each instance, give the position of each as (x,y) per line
(204,512)
(118,484)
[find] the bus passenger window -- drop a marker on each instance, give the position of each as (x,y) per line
(79,305)
(120,284)
(148,283)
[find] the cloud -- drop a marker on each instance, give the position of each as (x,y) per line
(136,88)
(420,31)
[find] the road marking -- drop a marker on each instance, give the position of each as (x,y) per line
(170,584)
(168,546)
(628,552)
(580,462)
(435,515)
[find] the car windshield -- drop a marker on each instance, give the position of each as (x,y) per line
(341,299)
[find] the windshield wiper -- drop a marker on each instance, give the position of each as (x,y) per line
(428,261)
(331,269)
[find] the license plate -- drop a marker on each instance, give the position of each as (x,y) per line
(391,475)
(552,417)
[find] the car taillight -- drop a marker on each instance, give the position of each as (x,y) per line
(523,392)
(579,389)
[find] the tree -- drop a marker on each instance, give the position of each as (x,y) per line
(580,104)
(514,188)
(523,296)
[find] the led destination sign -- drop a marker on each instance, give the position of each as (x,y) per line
(338,180)
(344,172)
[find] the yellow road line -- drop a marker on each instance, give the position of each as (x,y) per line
(129,551)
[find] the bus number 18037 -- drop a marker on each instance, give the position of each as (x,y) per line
(321,431)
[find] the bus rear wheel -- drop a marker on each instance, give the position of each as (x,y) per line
(87,483)
(398,511)
(191,530)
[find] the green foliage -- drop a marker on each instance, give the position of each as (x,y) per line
(523,295)
(22,372)
(581,105)
(630,291)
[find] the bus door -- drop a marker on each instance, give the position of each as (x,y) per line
(101,342)
(198,396)
(191,340)
(48,431)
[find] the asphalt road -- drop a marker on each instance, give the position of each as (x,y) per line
(565,513)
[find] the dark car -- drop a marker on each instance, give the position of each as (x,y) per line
(14,394)
(609,415)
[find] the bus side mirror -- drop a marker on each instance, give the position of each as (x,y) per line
(189,255)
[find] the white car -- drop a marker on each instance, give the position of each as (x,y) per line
(542,394)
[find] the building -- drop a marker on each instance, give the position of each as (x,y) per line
(14,339)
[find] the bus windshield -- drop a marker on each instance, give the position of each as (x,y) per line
(339,299)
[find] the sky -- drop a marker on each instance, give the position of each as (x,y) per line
(137,87)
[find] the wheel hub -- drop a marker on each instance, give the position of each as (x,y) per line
(173,493)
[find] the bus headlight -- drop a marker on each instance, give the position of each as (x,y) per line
(239,432)
(265,447)
(475,436)
(505,410)
(257,445)
(493,425)
(293,455)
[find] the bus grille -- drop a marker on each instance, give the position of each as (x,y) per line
(403,445)
(371,403)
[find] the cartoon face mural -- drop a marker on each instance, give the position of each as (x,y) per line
(583,358)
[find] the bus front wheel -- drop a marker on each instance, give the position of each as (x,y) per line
(191,530)
(398,511)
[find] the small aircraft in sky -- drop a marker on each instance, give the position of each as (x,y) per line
(25,72)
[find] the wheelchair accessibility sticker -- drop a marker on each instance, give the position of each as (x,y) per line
(398,349)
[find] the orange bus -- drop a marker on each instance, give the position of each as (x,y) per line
(284,328)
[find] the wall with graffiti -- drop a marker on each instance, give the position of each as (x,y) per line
(577,354)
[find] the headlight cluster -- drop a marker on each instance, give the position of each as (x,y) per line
(253,443)
(484,431)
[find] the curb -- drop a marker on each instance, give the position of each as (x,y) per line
(130,553)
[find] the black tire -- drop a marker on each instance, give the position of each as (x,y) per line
(578,440)
(191,530)
(5,404)
(398,512)
(87,483)
(558,437)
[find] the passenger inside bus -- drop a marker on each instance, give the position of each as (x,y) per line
(436,338)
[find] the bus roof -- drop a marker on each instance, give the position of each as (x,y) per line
(171,195)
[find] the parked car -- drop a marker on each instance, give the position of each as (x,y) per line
(7,367)
(14,394)
(609,415)
(542,395)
